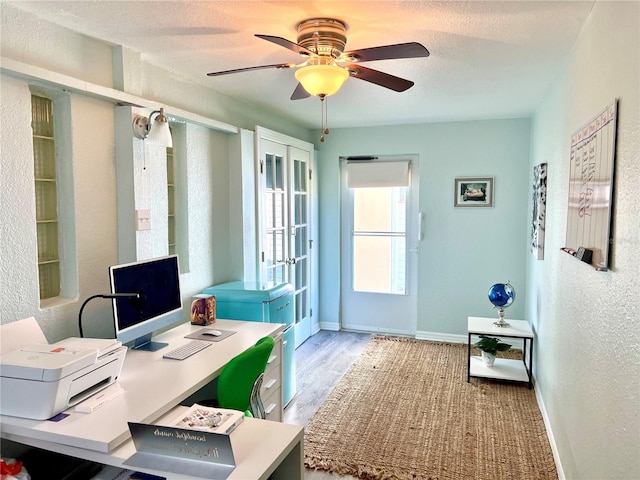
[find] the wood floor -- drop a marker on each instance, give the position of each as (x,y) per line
(320,364)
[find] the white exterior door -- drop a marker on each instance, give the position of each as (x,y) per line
(285,228)
(380,227)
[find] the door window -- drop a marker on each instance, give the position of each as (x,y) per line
(274,203)
(299,246)
(379,240)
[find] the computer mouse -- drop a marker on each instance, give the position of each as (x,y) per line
(212,333)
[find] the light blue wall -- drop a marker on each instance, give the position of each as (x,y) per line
(465,250)
(587,322)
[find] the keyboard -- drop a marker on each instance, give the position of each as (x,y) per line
(187,350)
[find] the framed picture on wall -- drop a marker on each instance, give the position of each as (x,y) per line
(539,210)
(473,192)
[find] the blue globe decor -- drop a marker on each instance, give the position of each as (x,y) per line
(501,296)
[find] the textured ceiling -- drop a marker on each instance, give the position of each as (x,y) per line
(488,59)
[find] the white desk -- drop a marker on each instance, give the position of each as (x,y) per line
(154,386)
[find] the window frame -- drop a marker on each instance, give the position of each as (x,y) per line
(66,231)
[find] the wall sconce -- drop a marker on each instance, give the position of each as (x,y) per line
(155,130)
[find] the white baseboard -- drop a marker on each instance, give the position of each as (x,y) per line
(434,336)
(377,330)
(547,426)
(441,337)
(331,326)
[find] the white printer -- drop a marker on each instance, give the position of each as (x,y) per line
(41,381)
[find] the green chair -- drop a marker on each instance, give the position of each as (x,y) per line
(240,380)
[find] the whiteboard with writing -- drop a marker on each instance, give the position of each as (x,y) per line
(591,186)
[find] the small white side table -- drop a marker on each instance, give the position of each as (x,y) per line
(503,368)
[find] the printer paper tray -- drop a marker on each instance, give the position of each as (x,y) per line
(42,400)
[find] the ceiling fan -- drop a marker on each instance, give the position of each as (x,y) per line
(321,41)
(326,66)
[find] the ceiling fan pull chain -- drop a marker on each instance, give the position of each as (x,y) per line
(326,117)
(322,116)
(324,111)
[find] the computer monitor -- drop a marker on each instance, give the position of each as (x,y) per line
(159,303)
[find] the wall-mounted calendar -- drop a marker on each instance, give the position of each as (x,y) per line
(593,150)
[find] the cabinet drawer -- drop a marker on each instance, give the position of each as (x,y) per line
(271,391)
(275,359)
(271,382)
(273,404)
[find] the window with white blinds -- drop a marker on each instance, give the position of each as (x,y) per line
(371,174)
(46,188)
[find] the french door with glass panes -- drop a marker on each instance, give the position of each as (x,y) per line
(285,226)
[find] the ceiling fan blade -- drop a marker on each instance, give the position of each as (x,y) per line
(283,42)
(246,69)
(386,52)
(299,93)
(379,78)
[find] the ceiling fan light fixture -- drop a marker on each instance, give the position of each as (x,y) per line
(322,79)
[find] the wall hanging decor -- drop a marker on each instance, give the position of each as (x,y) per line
(539,210)
(473,192)
(590,202)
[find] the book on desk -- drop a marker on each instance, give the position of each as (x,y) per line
(209,419)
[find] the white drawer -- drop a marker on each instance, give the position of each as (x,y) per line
(273,405)
(271,382)
(275,359)
(271,391)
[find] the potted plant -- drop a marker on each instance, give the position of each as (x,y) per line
(490,346)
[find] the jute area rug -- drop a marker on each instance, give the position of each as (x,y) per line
(405,411)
